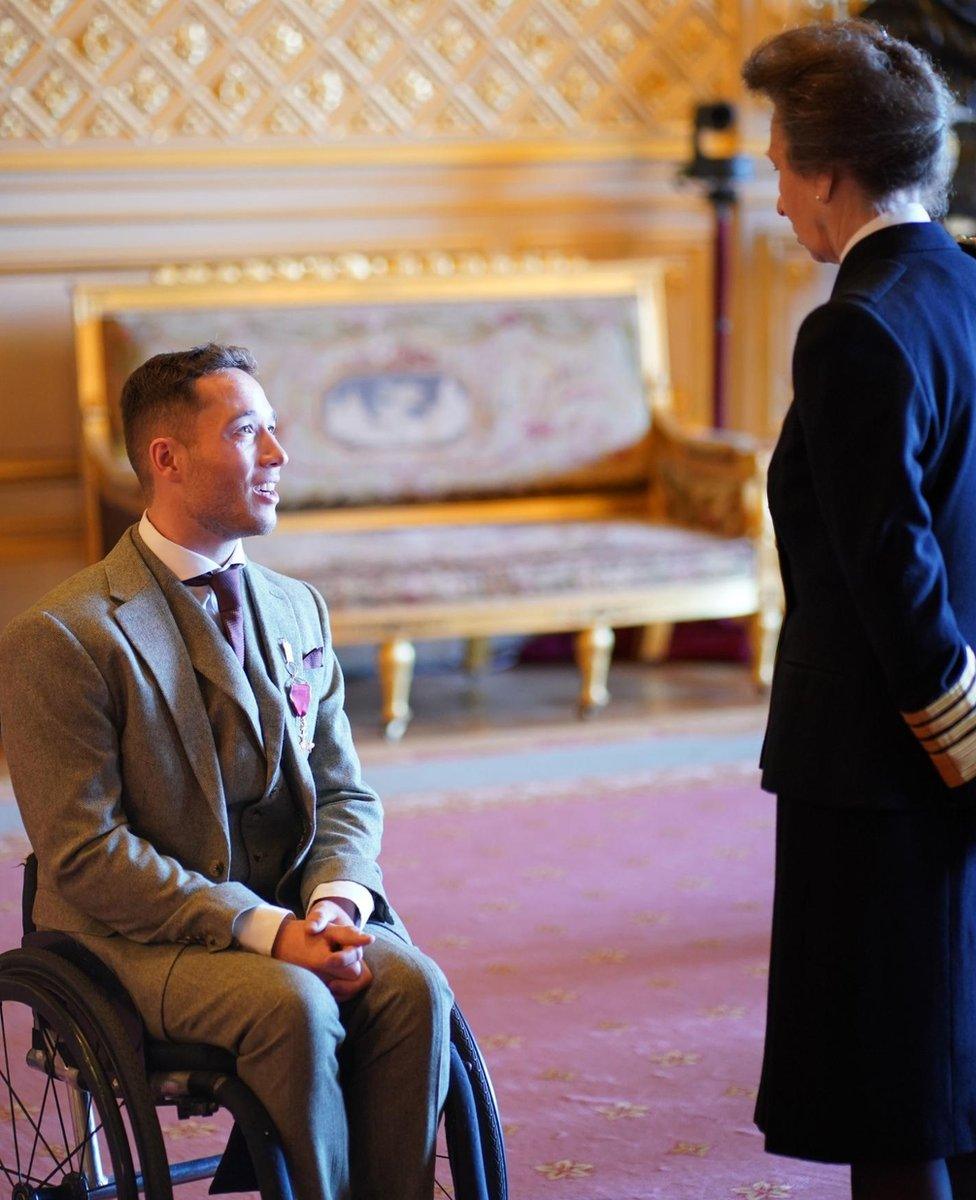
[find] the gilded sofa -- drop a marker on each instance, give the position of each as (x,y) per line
(477,448)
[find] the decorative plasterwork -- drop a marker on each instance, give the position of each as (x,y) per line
(199,76)
(409,264)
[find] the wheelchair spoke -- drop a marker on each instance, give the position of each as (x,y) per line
(442,1171)
(40,1118)
(64,1132)
(90,1137)
(80,1113)
(33,1180)
(34,1125)
(60,1160)
(10,1091)
(60,1164)
(69,1154)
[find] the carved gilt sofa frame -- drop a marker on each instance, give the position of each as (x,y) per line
(666,482)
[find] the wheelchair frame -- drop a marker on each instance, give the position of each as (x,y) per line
(88,1037)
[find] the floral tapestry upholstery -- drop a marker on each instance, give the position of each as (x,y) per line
(422,401)
(461,563)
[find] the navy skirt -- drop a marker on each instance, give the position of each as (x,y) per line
(871,1025)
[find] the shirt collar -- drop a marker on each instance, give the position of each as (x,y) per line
(184,563)
(904,214)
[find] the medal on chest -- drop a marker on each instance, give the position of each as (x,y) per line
(299,693)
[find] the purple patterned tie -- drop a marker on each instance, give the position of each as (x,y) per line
(227,585)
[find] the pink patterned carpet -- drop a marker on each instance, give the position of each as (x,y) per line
(608,944)
(607,940)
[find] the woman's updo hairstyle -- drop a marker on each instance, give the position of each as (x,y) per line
(848,96)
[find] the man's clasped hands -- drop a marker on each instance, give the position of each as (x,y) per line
(328,943)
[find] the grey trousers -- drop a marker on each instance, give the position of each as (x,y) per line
(355,1090)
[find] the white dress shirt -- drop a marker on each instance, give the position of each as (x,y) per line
(257,928)
(903,214)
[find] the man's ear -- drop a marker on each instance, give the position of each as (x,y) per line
(165,459)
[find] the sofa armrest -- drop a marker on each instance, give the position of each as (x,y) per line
(708,480)
(716,482)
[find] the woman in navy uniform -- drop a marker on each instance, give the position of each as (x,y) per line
(870,1055)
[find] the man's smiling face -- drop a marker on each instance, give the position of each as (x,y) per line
(232,459)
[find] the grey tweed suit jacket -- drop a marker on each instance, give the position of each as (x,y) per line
(115,769)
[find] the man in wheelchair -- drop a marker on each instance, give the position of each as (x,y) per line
(173,720)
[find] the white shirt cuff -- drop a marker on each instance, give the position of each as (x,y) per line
(345,889)
(256,928)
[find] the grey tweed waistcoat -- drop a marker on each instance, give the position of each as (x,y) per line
(263,822)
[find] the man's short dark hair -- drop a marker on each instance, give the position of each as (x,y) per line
(160,397)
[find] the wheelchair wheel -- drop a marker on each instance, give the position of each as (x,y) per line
(472,1126)
(76,1118)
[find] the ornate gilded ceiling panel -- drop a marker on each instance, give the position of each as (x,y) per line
(257,75)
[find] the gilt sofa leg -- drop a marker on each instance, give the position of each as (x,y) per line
(655,642)
(477,655)
(396,659)
(594,647)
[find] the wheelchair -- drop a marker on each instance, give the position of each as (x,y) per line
(80,1121)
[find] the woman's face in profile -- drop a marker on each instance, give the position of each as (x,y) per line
(798,199)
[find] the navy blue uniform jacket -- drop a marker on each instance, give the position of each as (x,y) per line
(872,490)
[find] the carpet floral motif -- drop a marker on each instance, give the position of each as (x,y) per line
(620,1110)
(565,1168)
(764,1191)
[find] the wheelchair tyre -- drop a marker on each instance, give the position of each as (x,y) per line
(84,1066)
(475,1141)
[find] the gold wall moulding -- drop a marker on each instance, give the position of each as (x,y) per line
(31,470)
(352,266)
(39,545)
(56,525)
(118,77)
(91,157)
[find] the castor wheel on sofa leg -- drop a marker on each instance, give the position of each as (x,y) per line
(396,659)
(593,647)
